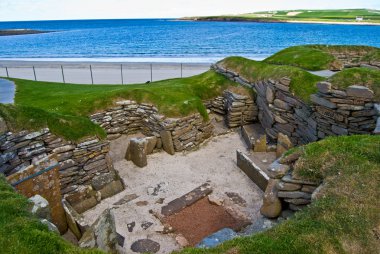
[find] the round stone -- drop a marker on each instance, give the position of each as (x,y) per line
(145,246)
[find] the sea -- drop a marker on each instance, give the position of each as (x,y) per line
(169,40)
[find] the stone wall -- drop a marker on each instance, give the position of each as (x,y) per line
(332,112)
(353,58)
(130,117)
(80,164)
(339,112)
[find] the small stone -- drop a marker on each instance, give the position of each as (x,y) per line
(50,226)
(298,201)
(236,199)
(160,201)
(293,194)
(323,102)
(260,145)
(126,199)
(283,144)
(146,224)
(145,246)
(182,241)
(40,207)
(214,200)
(142,203)
(283,186)
(277,170)
(131,226)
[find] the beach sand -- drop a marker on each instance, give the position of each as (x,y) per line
(102,73)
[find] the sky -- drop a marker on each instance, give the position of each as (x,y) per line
(17,10)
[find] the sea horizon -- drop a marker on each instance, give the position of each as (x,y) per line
(164,41)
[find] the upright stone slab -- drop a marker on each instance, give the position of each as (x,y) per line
(167,142)
(271,207)
(137,152)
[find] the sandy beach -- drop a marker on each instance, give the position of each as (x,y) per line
(102,72)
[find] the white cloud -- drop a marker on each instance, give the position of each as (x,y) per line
(96,9)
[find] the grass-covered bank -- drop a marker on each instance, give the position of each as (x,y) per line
(303,84)
(319,57)
(347,16)
(20,232)
(65,108)
(346,216)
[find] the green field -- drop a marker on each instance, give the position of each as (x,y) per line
(346,16)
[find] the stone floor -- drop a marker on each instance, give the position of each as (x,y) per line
(168,177)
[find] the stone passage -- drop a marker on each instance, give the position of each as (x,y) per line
(174,134)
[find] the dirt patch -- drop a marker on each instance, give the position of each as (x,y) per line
(201,220)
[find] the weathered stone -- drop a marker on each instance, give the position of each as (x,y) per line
(281,104)
(283,186)
(102,234)
(258,176)
(182,241)
(137,152)
(50,226)
(277,170)
(98,182)
(271,207)
(359,91)
(111,189)
(308,188)
(126,199)
(145,246)
(3,126)
(215,200)
(293,194)
(324,87)
(283,144)
(269,95)
(167,142)
(321,101)
(64,149)
(40,207)
(339,130)
(150,144)
(298,201)
(75,221)
(260,144)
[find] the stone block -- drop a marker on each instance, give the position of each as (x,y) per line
(359,91)
(99,181)
(271,207)
(321,101)
(40,207)
(283,144)
(75,221)
(167,142)
(324,87)
(137,152)
(111,189)
(277,170)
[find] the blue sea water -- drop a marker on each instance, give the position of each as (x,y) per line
(171,40)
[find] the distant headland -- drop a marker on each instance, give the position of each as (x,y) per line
(8,32)
(345,16)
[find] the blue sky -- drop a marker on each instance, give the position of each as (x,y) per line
(11,10)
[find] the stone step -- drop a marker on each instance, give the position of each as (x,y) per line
(252,133)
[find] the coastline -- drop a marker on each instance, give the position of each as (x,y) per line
(13,32)
(258,20)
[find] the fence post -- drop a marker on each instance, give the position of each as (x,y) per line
(92,78)
(34,72)
(63,75)
(151,73)
(6,69)
(122,78)
(181,71)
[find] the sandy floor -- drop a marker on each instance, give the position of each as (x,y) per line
(168,177)
(103,73)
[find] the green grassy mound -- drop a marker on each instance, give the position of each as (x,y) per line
(65,108)
(304,57)
(358,76)
(303,84)
(346,216)
(20,232)
(319,57)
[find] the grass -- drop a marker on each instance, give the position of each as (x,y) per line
(346,216)
(319,57)
(20,232)
(339,15)
(58,106)
(304,57)
(358,76)
(303,84)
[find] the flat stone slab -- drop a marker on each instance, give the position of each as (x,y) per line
(145,246)
(217,238)
(126,199)
(186,200)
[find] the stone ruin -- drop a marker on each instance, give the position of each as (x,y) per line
(82,174)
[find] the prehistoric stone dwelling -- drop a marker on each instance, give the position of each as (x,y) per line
(83,174)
